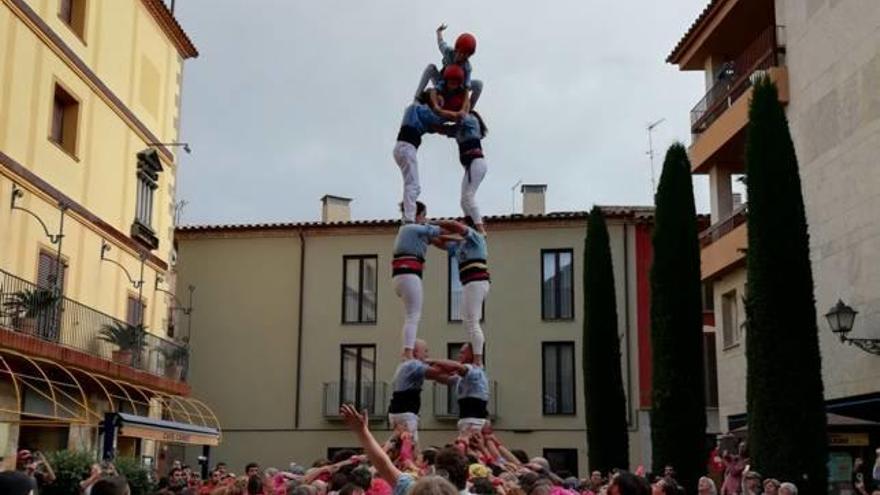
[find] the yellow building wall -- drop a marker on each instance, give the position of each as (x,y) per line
(244,327)
(246,319)
(131,55)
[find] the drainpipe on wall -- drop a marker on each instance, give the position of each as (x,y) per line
(299,326)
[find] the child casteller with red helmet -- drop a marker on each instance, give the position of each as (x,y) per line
(460,54)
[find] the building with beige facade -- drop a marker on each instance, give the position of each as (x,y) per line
(89,114)
(825,59)
(292,319)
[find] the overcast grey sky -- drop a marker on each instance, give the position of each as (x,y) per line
(291,100)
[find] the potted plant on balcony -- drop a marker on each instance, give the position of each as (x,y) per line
(27,306)
(175,360)
(129,339)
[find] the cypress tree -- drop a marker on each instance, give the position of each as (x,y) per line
(678,414)
(607,435)
(786,411)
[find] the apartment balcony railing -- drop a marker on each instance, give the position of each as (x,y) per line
(42,314)
(764,52)
(371,396)
(718,230)
(446,401)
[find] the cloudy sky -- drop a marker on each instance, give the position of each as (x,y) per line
(293,99)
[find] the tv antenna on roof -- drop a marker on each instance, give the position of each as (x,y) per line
(513,197)
(650,151)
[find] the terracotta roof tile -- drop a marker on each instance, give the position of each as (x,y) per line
(641,213)
(172,28)
(704,15)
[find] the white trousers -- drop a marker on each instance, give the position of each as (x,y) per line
(408,287)
(405,154)
(469,185)
(473,295)
(408,420)
(471,425)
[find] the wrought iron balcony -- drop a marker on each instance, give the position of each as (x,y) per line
(446,401)
(41,313)
(371,396)
(764,52)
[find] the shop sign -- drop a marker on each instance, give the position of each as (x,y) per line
(848,439)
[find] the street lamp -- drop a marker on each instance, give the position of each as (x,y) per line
(841,318)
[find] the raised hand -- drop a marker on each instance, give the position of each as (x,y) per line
(441,28)
(353,419)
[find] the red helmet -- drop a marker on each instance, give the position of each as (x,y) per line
(466,43)
(453,72)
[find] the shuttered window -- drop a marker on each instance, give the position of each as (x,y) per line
(47,271)
(134,312)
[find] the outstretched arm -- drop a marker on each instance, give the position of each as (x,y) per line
(442,241)
(440,43)
(437,374)
(453,226)
(358,424)
(501,449)
(447,366)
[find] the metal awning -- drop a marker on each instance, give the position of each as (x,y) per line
(165,431)
(49,392)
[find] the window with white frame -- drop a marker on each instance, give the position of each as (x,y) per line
(730,330)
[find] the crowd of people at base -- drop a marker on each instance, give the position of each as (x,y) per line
(475,463)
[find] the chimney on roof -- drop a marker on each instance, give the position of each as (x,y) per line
(533,198)
(335,209)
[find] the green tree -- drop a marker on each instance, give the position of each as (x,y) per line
(678,415)
(786,410)
(607,436)
(70,467)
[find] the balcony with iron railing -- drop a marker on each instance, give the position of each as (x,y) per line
(446,401)
(368,395)
(764,52)
(723,245)
(719,229)
(41,315)
(719,118)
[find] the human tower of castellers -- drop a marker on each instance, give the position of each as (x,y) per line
(446,108)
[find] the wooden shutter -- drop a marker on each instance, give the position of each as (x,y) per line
(46,271)
(134,311)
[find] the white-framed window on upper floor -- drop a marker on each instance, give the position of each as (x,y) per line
(730,325)
(557,284)
(359,289)
(357,376)
(558,381)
